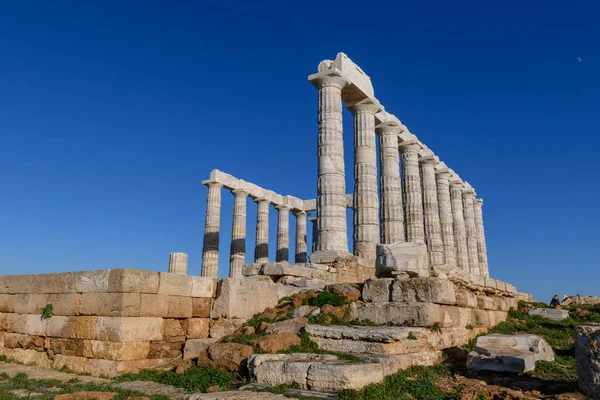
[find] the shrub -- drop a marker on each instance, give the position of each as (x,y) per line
(327,298)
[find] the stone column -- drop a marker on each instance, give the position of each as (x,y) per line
(283,234)
(261,251)
(413,200)
(447,226)
(431,213)
(238,235)
(481,247)
(366,200)
(178,263)
(392,210)
(331,183)
(458,219)
(471,230)
(313,221)
(300,237)
(210,247)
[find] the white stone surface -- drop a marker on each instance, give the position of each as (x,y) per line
(238,234)
(481,246)
(402,257)
(210,247)
(445,207)
(178,263)
(431,213)
(413,195)
(458,218)
(470,229)
(301,250)
(261,249)
(283,234)
(550,313)
(587,353)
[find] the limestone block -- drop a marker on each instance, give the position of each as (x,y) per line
(30,303)
(510,288)
(284,268)
(587,353)
(398,314)
(202,286)
(276,342)
(61,327)
(2,334)
(115,350)
(166,349)
(303,311)
(67,347)
(28,357)
(21,341)
(129,329)
(154,305)
(481,318)
(434,290)
(111,368)
(34,325)
(75,364)
(288,326)
(230,356)
(278,369)
(477,280)
(175,284)
(194,347)
(334,376)
(465,298)
(550,313)
(224,327)
(402,257)
(238,298)
(252,269)
(7,303)
(132,281)
(10,322)
(173,330)
(63,282)
(201,307)
(110,304)
(85,327)
(92,281)
(377,290)
(485,303)
(196,328)
(180,307)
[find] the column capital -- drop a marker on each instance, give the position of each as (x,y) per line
(366,105)
(239,193)
(282,207)
(300,212)
(260,200)
(478,202)
(468,193)
(441,168)
(389,129)
(321,81)
(210,183)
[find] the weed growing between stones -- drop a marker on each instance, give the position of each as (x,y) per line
(47,312)
(308,346)
(327,298)
(411,336)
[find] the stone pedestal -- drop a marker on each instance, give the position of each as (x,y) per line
(471,230)
(238,235)
(178,263)
(413,199)
(283,234)
(481,247)
(261,251)
(445,206)
(392,210)
(210,247)
(300,237)
(433,235)
(458,218)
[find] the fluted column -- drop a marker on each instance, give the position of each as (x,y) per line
(431,213)
(178,263)
(413,200)
(300,237)
(446,223)
(392,211)
(210,246)
(366,199)
(283,234)
(261,250)
(331,183)
(458,218)
(481,247)
(313,221)
(238,235)
(471,230)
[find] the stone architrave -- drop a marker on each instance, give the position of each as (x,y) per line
(238,234)
(210,247)
(261,250)
(178,263)
(468,196)
(431,214)
(366,199)
(392,210)
(458,219)
(445,206)
(283,234)
(331,183)
(300,256)
(481,247)
(413,199)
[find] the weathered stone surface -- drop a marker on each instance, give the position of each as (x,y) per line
(334,376)
(111,368)
(230,356)
(587,352)
(465,298)
(303,311)
(509,353)
(402,257)
(550,313)
(201,307)
(27,357)
(194,347)
(196,328)
(129,329)
(7,303)
(92,281)
(110,304)
(202,286)
(175,284)
(173,330)
(224,327)
(180,306)
(277,369)
(285,268)
(154,305)
(377,290)
(178,263)
(288,326)
(75,364)
(579,300)
(276,342)
(210,246)
(434,290)
(351,292)
(132,281)
(115,350)
(21,341)
(397,314)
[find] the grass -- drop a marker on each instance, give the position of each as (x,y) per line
(411,336)
(327,298)
(326,319)
(48,311)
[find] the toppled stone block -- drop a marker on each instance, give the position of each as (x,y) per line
(377,290)
(277,341)
(277,369)
(550,313)
(230,356)
(194,347)
(288,326)
(434,290)
(587,353)
(334,376)
(509,353)
(223,327)
(397,314)
(402,257)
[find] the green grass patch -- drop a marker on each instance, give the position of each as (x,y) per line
(327,298)
(411,336)
(326,319)
(308,346)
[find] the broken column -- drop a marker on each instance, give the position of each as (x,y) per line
(366,201)
(468,195)
(481,247)
(300,237)
(261,251)
(238,234)
(431,214)
(411,179)
(283,233)
(178,263)
(210,247)
(458,219)
(442,176)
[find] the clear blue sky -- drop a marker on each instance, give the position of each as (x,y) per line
(112,113)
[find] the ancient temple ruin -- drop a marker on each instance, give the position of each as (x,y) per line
(422,215)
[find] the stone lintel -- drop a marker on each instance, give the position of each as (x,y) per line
(406,139)
(359,83)
(384,118)
(441,168)
(370,104)
(328,256)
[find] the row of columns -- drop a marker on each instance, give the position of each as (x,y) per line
(210,251)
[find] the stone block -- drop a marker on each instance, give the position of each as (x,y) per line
(129,329)
(278,369)
(334,376)
(201,307)
(411,258)
(173,330)
(288,326)
(550,313)
(30,303)
(92,281)
(485,303)
(465,298)
(284,268)
(180,307)
(175,284)
(196,328)
(277,342)
(128,280)
(164,349)
(434,290)
(63,282)
(398,314)
(10,322)
(194,347)
(587,353)
(154,305)
(7,303)
(67,347)
(237,298)
(111,368)
(377,290)
(110,304)
(115,350)
(252,269)
(34,325)
(2,334)
(223,327)
(85,327)
(21,341)
(202,286)
(230,356)
(29,357)
(75,364)
(61,327)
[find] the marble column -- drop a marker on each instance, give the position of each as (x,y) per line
(481,247)
(210,247)
(331,182)
(238,234)
(392,210)
(261,250)
(446,224)
(431,213)
(413,199)
(366,199)
(471,230)
(313,221)
(283,234)
(458,219)
(178,263)
(300,237)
